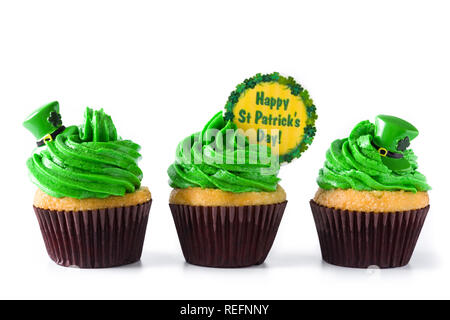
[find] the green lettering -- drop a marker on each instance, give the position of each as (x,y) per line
(260,98)
(261,135)
(279,102)
(289,121)
(258,115)
(273,102)
(264,120)
(242,116)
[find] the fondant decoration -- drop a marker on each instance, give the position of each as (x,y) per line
(45,123)
(369,159)
(275,110)
(55,119)
(392,138)
(403,144)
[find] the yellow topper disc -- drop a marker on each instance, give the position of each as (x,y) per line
(276,110)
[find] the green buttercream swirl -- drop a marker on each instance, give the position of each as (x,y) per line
(353,163)
(220,157)
(89,161)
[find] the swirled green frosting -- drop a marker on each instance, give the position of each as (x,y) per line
(353,163)
(220,157)
(89,161)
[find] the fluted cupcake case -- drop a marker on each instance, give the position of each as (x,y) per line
(95,238)
(227,237)
(363,239)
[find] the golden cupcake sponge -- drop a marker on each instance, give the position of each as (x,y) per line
(44,201)
(216,197)
(371,201)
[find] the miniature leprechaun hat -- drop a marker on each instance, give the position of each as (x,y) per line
(45,123)
(391,139)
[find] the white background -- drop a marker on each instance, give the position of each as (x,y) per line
(162,69)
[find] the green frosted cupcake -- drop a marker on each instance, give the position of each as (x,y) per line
(90,204)
(226,207)
(372,202)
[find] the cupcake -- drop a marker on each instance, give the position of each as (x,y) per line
(372,202)
(226,202)
(90,205)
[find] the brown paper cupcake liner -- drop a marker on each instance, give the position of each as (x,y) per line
(362,239)
(94,238)
(227,237)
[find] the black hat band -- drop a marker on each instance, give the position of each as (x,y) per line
(50,137)
(386,153)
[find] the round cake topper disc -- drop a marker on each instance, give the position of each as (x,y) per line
(275,110)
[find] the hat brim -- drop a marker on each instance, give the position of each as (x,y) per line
(396,164)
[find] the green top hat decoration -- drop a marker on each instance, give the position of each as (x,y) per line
(45,123)
(392,137)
